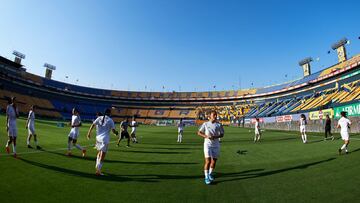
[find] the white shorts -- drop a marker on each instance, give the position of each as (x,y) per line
(344,135)
(180,131)
(101,146)
(12,132)
(74,135)
(302,129)
(31,130)
(211,151)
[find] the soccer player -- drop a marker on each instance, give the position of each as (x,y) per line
(104,124)
(257,131)
(211,131)
(30,126)
(328,128)
(180,126)
(303,124)
(12,114)
(74,132)
(124,133)
(134,124)
(344,123)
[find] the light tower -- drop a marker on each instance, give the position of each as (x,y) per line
(305,64)
(18,57)
(340,49)
(49,69)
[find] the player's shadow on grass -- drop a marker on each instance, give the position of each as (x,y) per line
(148,152)
(249,174)
(121,162)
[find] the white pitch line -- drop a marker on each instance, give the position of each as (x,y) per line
(42,151)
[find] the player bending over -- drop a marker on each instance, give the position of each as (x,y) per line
(257,131)
(30,126)
(303,124)
(12,114)
(74,132)
(211,131)
(181,127)
(344,123)
(104,124)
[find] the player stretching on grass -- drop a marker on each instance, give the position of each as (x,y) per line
(211,131)
(344,123)
(124,133)
(257,131)
(303,124)
(181,126)
(30,126)
(104,124)
(74,132)
(11,114)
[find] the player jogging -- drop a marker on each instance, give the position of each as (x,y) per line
(124,133)
(12,114)
(257,131)
(181,127)
(74,132)
(211,131)
(303,124)
(134,124)
(30,126)
(104,124)
(344,123)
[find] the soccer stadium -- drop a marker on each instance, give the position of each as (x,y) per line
(279,164)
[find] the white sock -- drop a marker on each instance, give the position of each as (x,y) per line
(28,140)
(78,147)
(69,146)
(14,149)
(206,173)
(99,165)
(180,137)
(36,143)
(343,147)
(211,170)
(135,140)
(346,149)
(305,137)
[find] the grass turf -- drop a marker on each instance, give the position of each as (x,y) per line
(278,169)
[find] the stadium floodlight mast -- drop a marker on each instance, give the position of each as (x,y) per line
(49,69)
(340,49)
(305,64)
(18,56)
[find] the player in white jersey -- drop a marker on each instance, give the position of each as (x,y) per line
(181,127)
(12,114)
(30,126)
(211,131)
(344,123)
(303,124)
(257,131)
(134,125)
(104,124)
(74,132)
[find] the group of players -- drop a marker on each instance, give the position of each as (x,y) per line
(211,131)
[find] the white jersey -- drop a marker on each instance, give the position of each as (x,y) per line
(133,128)
(344,124)
(31,119)
(103,129)
(257,127)
(181,126)
(11,114)
(302,122)
(212,129)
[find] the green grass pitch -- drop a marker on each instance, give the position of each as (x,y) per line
(278,169)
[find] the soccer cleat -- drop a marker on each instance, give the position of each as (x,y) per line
(68,153)
(7,150)
(38,147)
(15,156)
(98,173)
(29,146)
(332,138)
(117,145)
(339,151)
(207,181)
(211,178)
(83,152)
(346,152)
(127,146)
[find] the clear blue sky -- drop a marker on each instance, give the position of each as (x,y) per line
(180,44)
